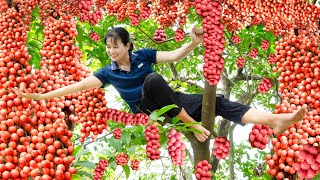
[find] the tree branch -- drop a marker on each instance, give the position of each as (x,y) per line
(84,146)
(248,97)
(241,76)
(174,71)
(231,156)
(182,79)
(157,42)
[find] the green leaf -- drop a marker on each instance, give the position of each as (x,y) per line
(115,144)
(165,109)
(99,31)
(153,116)
(132,149)
(39,30)
(82,152)
(175,120)
(126,137)
(163,138)
(80,36)
(86,164)
(35,43)
(161,119)
(77,149)
(75,177)
(179,67)
(138,131)
(113,165)
(84,173)
(126,169)
(106,154)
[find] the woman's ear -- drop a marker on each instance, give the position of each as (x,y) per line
(130,46)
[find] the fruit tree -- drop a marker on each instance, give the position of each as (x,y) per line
(263,52)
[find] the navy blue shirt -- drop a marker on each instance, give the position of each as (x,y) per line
(129,84)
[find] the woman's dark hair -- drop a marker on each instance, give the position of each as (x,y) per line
(119,33)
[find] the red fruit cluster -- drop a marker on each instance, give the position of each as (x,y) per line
(3,6)
(117,133)
(309,164)
(176,147)
(152,136)
(95,17)
(258,137)
(179,35)
(236,39)
(127,118)
(213,41)
(135,164)
(99,170)
(159,35)
(272,59)
(203,170)
(265,44)
(238,15)
(134,19)
(222,147)
(35,138)
(61,66)
(85,6)
(122,159)
(265,85)
(165,13)
(95,36)
(253,53)
(100,4)
(144,10)
(241,62)
(85,13)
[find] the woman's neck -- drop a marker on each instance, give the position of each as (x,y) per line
(123,63)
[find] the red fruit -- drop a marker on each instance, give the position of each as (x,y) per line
(117,133)
(241,62)
(265,44)
(235,39)
(222,147)
(135,164)
(179,35)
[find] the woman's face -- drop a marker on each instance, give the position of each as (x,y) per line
(116,50)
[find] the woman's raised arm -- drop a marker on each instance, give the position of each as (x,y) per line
(178,54)
(85,84)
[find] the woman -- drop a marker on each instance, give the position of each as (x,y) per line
(144,90)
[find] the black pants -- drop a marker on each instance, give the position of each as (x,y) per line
(157,94)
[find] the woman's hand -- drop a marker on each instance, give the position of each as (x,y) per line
(26,94)
(196,35)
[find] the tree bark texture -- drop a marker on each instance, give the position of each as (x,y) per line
(201,150)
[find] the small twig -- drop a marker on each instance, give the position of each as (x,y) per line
(84,146)
(157,42)
(118,176)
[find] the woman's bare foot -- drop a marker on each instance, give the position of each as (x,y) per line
(202,137)
(286,120)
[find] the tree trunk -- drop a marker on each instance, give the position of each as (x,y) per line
(201,150)
(231,155)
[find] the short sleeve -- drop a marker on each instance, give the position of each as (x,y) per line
(148,55)
(101,75)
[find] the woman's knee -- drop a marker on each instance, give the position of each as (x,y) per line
(153,78)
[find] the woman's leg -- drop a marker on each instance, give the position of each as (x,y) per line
(243,114)
(279,122)
(157,92)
